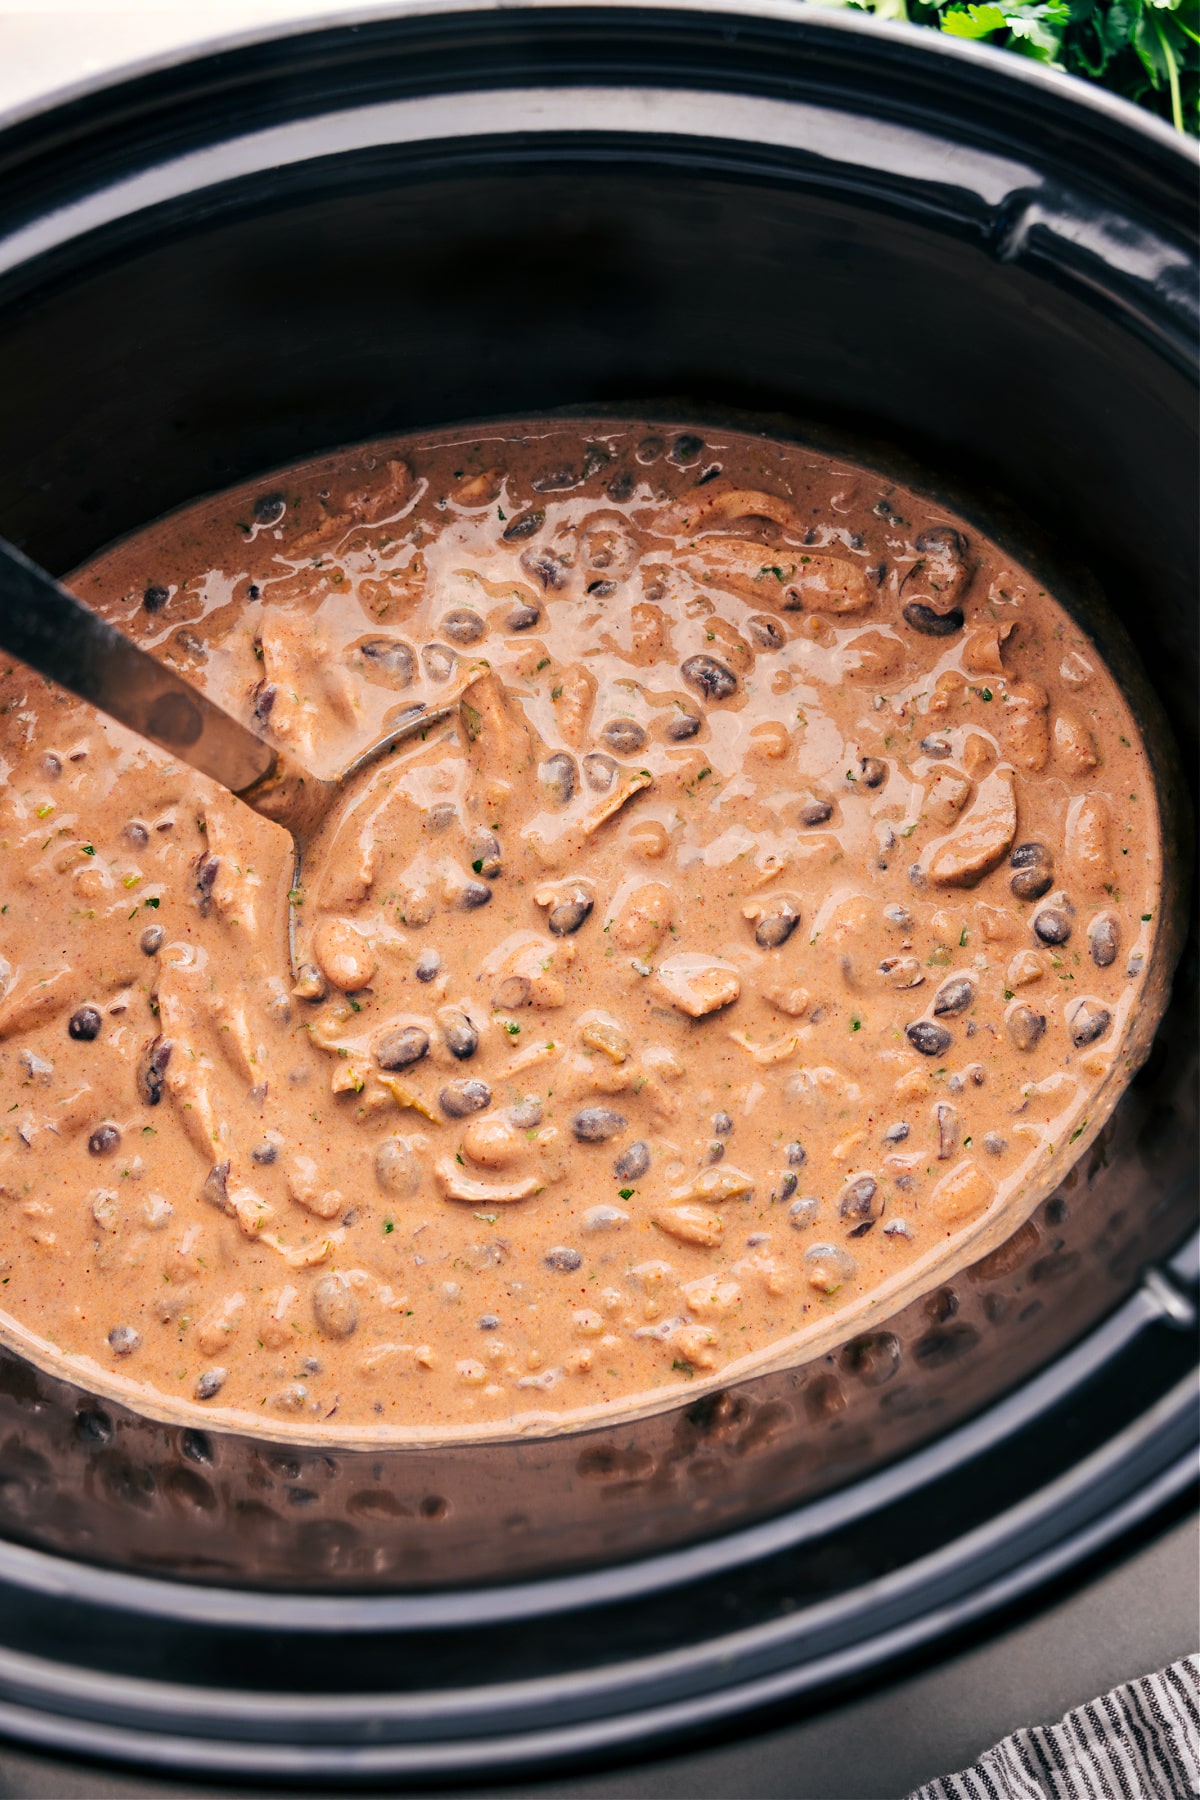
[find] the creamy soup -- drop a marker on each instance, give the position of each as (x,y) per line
(765,904)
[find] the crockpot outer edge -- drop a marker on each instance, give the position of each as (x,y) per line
(696,1685)
(85,1574)
(147,108)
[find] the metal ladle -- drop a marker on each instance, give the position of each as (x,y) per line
(47,628)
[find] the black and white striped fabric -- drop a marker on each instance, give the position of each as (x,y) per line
(1141,1742)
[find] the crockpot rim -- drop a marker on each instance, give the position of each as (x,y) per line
(1107,106)
(774,12)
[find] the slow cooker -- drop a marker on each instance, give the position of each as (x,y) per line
(426,213)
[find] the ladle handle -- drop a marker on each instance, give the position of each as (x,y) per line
(56,634)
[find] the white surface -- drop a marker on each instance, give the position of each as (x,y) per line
(46,45)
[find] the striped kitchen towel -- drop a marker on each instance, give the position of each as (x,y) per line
(1141,1742)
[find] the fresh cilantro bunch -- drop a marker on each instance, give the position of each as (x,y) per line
(1146,50)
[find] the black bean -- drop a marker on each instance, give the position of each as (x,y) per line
(599,771)
(943,542)
(620,488)
(1033,868)
(1088,1021)
(1103,941)
(207,870)
(899,916)
(437,661)
(513,991)
(546,567)
(712,678)
(400,1049)
(463,626)
(604,1218)
(947,1128)
(526,1115)
(928,1038)
(211,1383)
(625,736)
(777,927)
(84,1024)
(766,632)
(922,618)
(600,590)
(488,1322)
(569,915)
(1052,925)
(215,1186)
(563,1260)
(803,1212)
(310,983)
(37,1068)
(896,1134)
(560,775)
(523,618)
(797,1156)
(441,816)
(428,966)
(52,765)
(392,657)
(954,996)
(596,1124)
(135,833)
(104,1140)
(632,1163)
(152,1069)
(262,702)
(686,450)
(994,1144)
(155,598)
(788,1183)
(123,1340)
(269,509)
(715,1151)
(524,525)
(152,940)
(485,854)
(462,1039)
(937,747)
(722,1124)
(681,726)
(265,1153)
(460,1098)
(873,771)
(335,1307)
(816,812)
(860,1205)
(474,894)
(555,481)
(650,449)
(1025,1027)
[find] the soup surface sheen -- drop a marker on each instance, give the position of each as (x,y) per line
(768,910)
